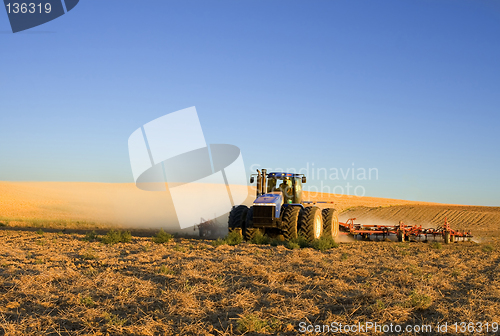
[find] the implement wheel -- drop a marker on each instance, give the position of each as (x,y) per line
(330,223)
(401,237)
(446,237)
(311,223)
(237,218)
(290,222)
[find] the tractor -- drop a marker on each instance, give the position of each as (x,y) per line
(279,211)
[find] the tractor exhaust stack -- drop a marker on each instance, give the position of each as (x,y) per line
(259,183)
(264,181)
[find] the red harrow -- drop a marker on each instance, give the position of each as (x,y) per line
(403,232)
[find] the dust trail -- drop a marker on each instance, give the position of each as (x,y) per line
(344,239)
(481,240)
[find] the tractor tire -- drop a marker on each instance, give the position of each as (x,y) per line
(311,223)
(446,237)
(237,218)
(330,223)
(290,222)
(250,231)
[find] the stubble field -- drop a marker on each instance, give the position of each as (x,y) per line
(67,283)
(61,284)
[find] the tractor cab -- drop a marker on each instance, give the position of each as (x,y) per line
(288,184)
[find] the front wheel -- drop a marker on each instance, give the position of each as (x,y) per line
(237,218)
(311,223)
(290,222)
(250,231)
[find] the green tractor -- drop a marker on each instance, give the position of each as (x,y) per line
(279,210)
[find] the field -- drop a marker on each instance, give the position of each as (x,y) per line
(58,282)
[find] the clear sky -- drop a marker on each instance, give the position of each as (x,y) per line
(411,88)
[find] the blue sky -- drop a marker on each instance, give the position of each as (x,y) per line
(410,88)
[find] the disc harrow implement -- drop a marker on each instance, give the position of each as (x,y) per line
(404,232)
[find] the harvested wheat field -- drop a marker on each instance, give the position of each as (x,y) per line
(61,284)
(70,283)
